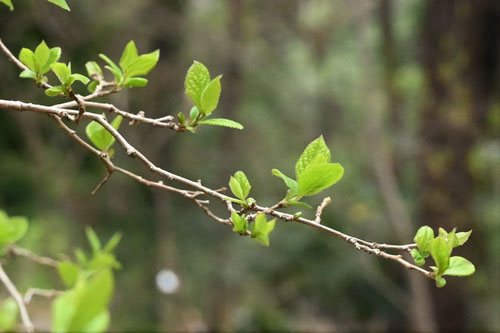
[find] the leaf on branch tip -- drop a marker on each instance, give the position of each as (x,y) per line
(222,122)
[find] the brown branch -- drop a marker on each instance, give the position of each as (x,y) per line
(62,111)
(49,293)
(32,256)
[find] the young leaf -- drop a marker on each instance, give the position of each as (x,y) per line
(135,82)
(27,57)
(210,96)
(289,182)
(222,122)
(462,237)
(100,136)
(261,229)
(240,186)
(12,229)
(9,312)
(239,222)
(79,77)
(8,3)
(459,266)
(62,71)
(68,272)
(440,252)
(423,238)
(129,55)
(317,177)
(80,308)
(54,55)
(113,68)
(94,241)
(142,65)
(197,78)
(193,114)
(93,69)
(112,243)
(315,152)
(54,91)
(417,257)
(28,74)
(60,3)
(244,183)
(299,204)
(42,53)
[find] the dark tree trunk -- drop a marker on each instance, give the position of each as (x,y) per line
(460,58)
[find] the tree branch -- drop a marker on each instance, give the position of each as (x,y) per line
(18,298)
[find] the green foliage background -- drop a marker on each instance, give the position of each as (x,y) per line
(292,70)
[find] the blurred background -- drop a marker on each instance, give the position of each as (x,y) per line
(406,94)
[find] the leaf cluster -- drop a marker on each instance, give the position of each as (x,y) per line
(84,306)
(132,67)
(313,171)
(440,249)
(204,93)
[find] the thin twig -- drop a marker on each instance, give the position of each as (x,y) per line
(326,201)
(18,298)
(49,293)
(46,261)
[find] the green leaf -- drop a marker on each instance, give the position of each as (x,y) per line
(440,252)
(459,266)
(315,152)
(93,69)
(28,74)
(239,222)
(129,55)
(289,182)
(210,96)
(135,82)
(298,204)
(95,243)
(62,71)
(197,78)
(79,77)
(9,312)
(112,243)
(261,229)
(54,55)
(60,3)
(193,114)
(78,309)
(12,228)
(100,136)
(113,68)
(181,118)
(417,257)
(244,183)
(440,282)
(54,91)
(68,272)
(317,177)
(27,57)
(222,122)
(462,237)
(423,238)
(42,53)
(236,188)
(92,86)
(142,65)
(8,3)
